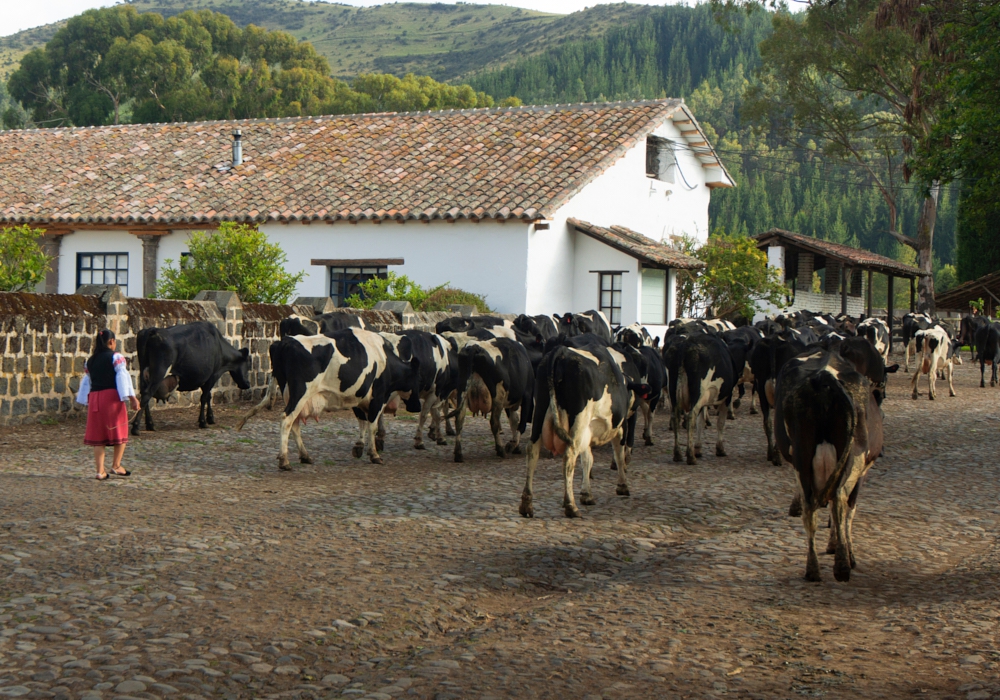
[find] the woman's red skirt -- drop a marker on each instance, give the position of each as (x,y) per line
(107,419)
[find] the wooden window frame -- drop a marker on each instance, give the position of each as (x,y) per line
(91,269)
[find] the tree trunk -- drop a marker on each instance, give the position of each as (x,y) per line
(925,249)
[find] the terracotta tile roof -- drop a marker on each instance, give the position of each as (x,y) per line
(496,163)
(650,252)
(853,257)
(986,287)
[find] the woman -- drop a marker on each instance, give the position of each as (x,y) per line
(104,390)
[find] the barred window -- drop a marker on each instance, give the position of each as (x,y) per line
(102,268)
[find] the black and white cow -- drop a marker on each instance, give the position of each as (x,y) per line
(828,426)
(352,368)
(587,322)
(581,400)
(766,361)
(319,325)
(184,358)
(912,323)
(988,351)
(636,335)
(438,359)
(494,376)
(699,375)
(867,360)
(935,351)
(877,332)
(496,326)
(535,326)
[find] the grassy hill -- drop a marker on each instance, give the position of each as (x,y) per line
(444,41)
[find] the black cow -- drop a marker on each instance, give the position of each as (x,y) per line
(494,376)
(535,326)
(699,375)
(587,322)
(438,358)
(828,425)
(352,368)
(498,327)
(184,358)
(581,400)
(988,351)
(877,332)
(868,361)
(912,323)
(968,328)
(324,324)
(636,335)
(766,360)
(656,379)
(741,343)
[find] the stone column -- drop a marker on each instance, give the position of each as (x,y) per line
(150,249)
(51,243)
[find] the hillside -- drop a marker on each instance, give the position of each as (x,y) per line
(441,40)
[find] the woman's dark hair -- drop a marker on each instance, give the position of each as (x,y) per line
(101,341)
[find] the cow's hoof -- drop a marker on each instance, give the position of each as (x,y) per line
(677,456)
(795,509)
(135,430)
(915,395)
(697,452)
(459,457)
(614,466)
(501,452)
(720,451)
(305,459)
(622,490)
(376,460)
(691,459)
(813,575)
(150,427)
(450,431)
(442,441)
(572,512)
(736,404)
(753,411)
(647,441)
(202,424)
(931,397)
(842,571)
(730,416)
(379,444)
(511,449)
(776,461)
(517,448)
(419,446)
(587,500)
(358,450)
(526,510)
(952,394)
(210,420)
(283,464)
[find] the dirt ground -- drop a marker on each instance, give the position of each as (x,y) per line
(209,573)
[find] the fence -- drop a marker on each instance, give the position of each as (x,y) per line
(47,338)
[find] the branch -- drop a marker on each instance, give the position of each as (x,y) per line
(904,239)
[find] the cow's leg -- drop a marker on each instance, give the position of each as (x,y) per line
(993,377)
(812,561)
(795,507)
(459,423)
(439,408)
(206,396)
(362,443)
(526,508)
(735,404)
(304,457)
(378,439)
(916,376)
(754,399)
(569,466)
(586,464)
(495,413)
(425,409)
(692,426)
(647,419)
(951,379)
(932,383)
(286,427)
(842,559)
(831,543)
(701,422)
(622,488)
(272,393)
(720,447)
(373,448)
(513,419)
(675,423)
(906,356)
(982,374)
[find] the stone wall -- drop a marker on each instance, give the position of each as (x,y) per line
(47,338)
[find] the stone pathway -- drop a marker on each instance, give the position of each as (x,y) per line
(210,574)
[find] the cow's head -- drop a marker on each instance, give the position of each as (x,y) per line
(241,372)
(412,399)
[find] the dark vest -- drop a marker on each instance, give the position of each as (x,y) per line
(101,368)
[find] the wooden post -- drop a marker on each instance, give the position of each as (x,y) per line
(843,289)
(868,313)
(913,294)
(889,304)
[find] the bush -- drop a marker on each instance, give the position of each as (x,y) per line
(392,287)
(23,263)
(440,299)
(236,258)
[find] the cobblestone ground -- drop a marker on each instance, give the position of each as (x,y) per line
(210,574)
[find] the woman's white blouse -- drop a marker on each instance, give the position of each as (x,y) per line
(122,379)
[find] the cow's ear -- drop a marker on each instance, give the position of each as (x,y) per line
(245,352)
(892,369)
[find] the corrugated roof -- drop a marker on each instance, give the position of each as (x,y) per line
(650,252)
(853,257)
(986,288)
(487,163)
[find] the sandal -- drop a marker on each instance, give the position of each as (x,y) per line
(122,474)
(105,477)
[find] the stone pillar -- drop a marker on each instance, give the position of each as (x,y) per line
(833,277)
(150,250)
(804,275)
(320,305)
(51,243)
(231,309)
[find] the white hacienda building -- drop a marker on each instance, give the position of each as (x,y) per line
(541,209)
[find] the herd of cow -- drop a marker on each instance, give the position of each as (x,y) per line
(819,381)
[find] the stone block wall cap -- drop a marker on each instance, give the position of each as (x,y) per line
(464,310)
(396,307)
(320,305)
(108,293)
(222,298)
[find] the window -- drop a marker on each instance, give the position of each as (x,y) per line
(611,296)
(187,260)
(102,268)
(345,281)
(660,159)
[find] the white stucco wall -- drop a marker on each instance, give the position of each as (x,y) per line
(99,242)
(593,255)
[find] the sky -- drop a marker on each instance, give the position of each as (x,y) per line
(24,14)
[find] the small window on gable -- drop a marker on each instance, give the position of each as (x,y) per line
(660,159)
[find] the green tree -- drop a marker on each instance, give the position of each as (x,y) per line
(237,258)
(23,263)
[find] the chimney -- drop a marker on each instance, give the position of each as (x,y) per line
(237,147)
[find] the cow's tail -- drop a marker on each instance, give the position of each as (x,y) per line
(267,402)
(561,374)
(828,391)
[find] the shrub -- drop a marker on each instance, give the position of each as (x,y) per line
(23,263)
(392,287)
(440,299)
(236,258)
